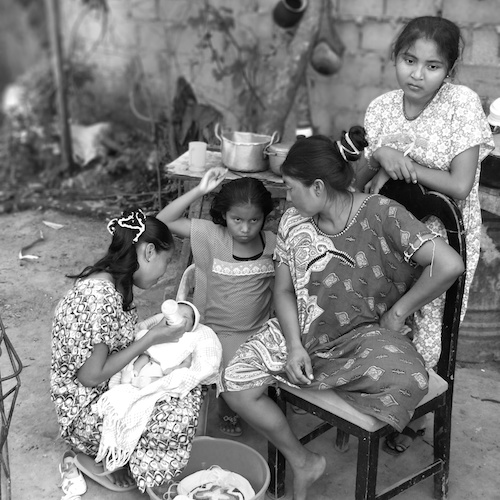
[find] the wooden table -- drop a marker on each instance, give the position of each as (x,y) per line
(179,169)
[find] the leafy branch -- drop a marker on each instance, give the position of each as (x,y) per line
(245,67)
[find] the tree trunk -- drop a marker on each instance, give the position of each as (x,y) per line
(290,73)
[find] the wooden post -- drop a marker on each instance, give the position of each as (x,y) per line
(52,7)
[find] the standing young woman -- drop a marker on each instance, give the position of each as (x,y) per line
(430,131)
(433,132)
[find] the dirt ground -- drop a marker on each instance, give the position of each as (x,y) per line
(30,290)
(29,293)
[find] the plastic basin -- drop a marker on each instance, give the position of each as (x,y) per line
(231,455)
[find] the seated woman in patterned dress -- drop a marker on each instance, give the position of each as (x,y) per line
(350,268)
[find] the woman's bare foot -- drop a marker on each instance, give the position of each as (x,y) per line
(305,476)
(122,477)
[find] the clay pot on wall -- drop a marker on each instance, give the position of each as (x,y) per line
(326,57)
(288,13)
(325,60)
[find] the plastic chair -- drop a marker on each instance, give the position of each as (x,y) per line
(185,292)
(335,412)
(186,284)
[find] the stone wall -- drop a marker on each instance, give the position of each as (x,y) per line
(148,44)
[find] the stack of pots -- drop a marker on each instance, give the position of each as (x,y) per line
(277,154)
(244,151)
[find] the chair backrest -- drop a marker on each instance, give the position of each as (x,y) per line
(186,284)
(423,204)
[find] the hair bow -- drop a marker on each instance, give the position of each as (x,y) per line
(135,221)
(342,149)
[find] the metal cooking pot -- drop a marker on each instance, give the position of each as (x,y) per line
(277,154)
(244,151)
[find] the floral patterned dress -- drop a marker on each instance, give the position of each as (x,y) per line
(453,122)
(343,284)
(92,313)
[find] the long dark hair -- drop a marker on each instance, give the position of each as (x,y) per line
(443,32)
(121,258)
(240,192)
(318,157)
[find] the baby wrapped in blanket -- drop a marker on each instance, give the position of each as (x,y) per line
(169,369)
(161,359)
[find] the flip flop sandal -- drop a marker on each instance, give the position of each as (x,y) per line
(73,483)
(232,422)
(97,472)
(298,411)
(390,446)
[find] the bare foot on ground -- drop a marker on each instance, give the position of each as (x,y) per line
(305,476)
(122,477)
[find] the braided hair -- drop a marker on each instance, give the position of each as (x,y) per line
(240,192)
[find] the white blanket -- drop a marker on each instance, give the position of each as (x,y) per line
(126,409)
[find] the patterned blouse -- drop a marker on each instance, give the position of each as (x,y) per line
(91,313)
(453,122)
(349,279)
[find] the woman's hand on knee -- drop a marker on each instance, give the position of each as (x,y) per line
(392,322)
(298,366)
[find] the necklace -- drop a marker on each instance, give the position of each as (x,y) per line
(411,118)
(316,220)
(350,210)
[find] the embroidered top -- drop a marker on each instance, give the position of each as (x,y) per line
(351,278)
(453,122)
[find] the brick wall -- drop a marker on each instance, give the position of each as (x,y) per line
(153,42)
(368,28)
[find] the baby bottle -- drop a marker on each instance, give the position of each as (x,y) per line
(170,310)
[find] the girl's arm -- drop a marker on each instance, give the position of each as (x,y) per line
(396,164)
(173,214)
(446,265)
(101,366)
(458,181)
(298,366)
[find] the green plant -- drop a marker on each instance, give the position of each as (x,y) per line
(235,55)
